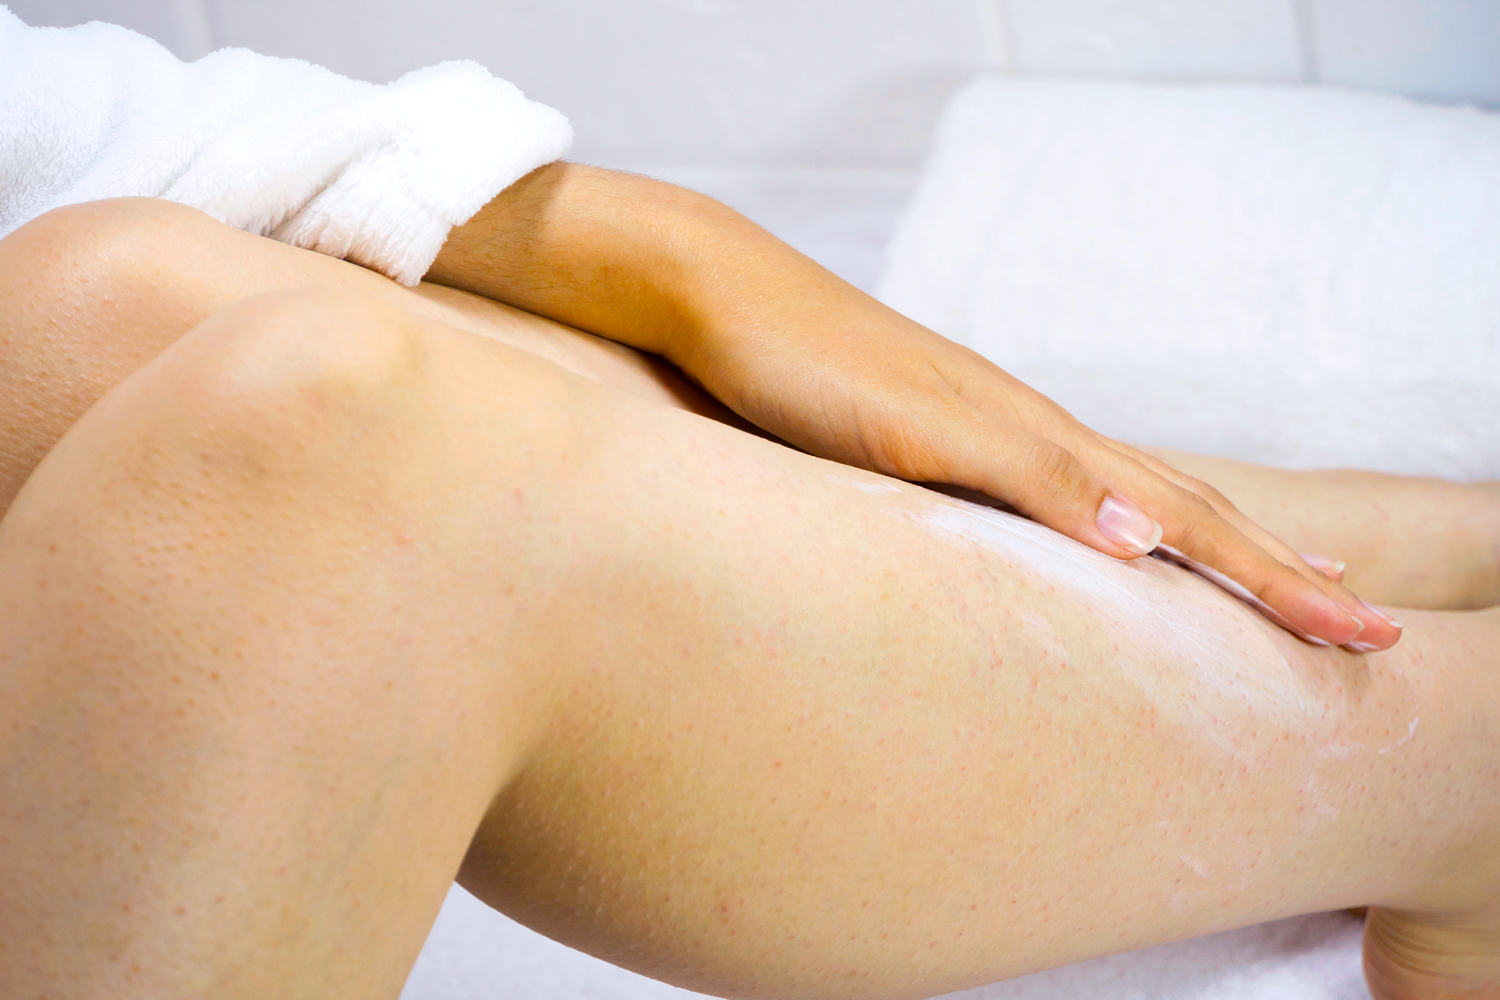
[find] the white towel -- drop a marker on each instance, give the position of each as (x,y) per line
(277,147)
(477,954)
(1296,276)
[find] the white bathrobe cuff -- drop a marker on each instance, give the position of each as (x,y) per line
(277,147)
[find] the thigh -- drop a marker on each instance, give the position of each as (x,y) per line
(285,627)
(833,734)
(93,292)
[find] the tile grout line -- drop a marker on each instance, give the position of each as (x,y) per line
(200,25)
(1307,40)
(999,39)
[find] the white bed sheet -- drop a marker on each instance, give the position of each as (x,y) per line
(475,953)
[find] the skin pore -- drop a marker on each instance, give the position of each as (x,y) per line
(732,715)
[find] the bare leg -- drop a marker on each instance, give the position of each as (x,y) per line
(286,625)
(244,825)
(1415,542)
(93,292)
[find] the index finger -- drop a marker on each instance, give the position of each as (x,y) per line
(1286,590)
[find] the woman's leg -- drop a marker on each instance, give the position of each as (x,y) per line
(284,627)
(1412,541)
(93,292)
(242,744)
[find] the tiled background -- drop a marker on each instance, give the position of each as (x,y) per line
(826,83)
(811,116)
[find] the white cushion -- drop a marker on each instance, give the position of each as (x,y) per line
(1292,275)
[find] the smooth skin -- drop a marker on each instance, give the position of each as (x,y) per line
(331,600)
(802,354)
(791,349)
(1434,543)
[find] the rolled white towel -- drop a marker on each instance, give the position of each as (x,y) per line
(277,147)
(1300,276)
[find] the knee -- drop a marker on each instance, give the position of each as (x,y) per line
(95,228)
(301,406)
(301,341)
(89,293)
(103,247)
(271,431)
(93,290)
(295,377)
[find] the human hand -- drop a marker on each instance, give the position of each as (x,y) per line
(841,376)
(809,358)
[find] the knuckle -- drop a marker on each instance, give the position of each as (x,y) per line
(1209,494)
(1188,537)
(1053,470)
(1197,525)
(1194,509)
(1274,583)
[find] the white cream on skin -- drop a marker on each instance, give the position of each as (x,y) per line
(1212,666)
(865,486)
(1217,660)
(1196,681)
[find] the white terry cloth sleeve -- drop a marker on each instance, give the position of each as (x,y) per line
(276,147)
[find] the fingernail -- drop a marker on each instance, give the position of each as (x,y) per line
(1360,647)
(1328,567)
(1125,524)
(1393,623)
(1359,626)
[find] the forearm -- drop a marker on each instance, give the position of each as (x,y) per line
(803,355)
(1408,541)
(568,242)
(645,263)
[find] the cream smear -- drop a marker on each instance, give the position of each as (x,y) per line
(864,485)
(1203,659)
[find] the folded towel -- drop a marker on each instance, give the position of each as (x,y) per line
(1296,276)
(277,147)
(479,954)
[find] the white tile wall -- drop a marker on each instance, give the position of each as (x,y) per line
(785,82)
(1443,49)
(827,83)
(180,25)
(1159,39)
